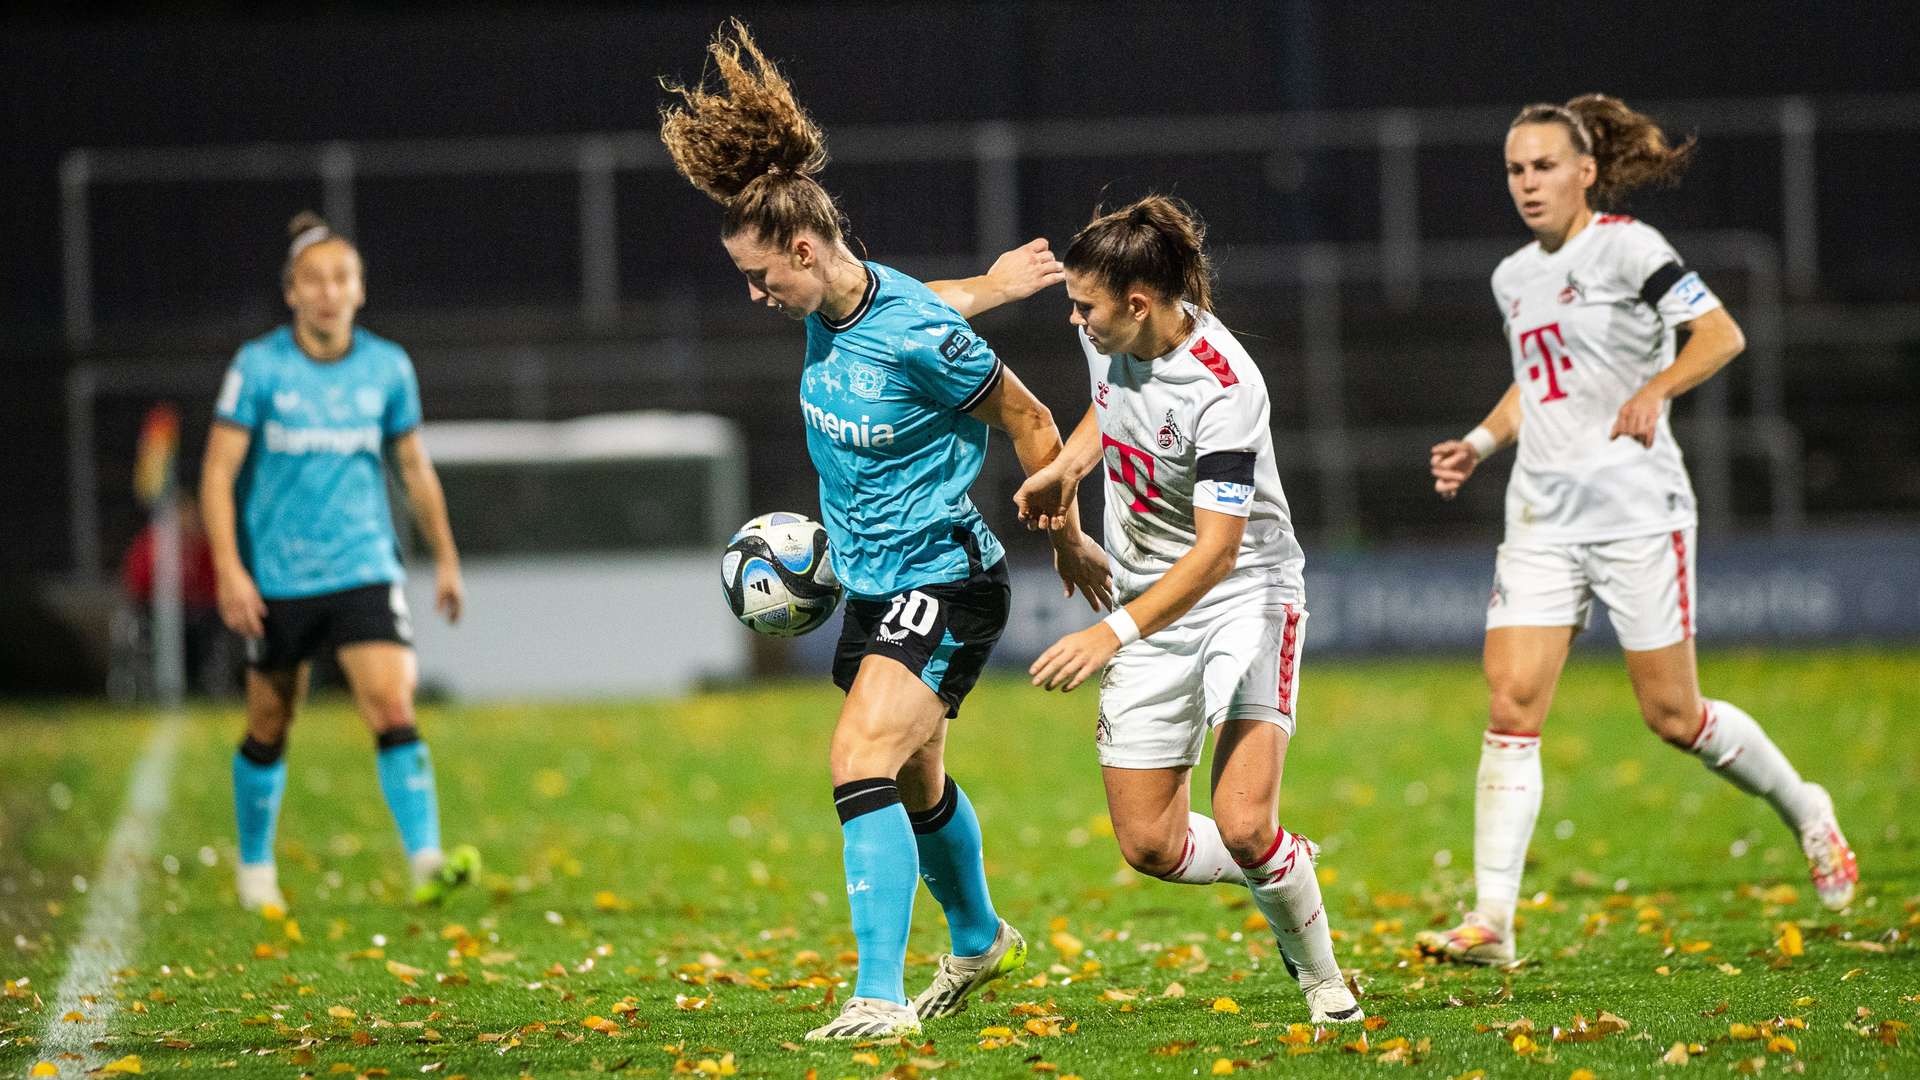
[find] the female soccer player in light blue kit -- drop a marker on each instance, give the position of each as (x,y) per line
(897,394)
(294,495)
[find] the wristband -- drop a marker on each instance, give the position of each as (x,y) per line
(1483,442)
(1123,626)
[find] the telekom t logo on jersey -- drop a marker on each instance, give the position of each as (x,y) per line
(1137,485)
(1549,359)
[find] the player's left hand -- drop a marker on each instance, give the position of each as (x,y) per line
(1082,565)
(1026,270)
(449,592)
(1073,659)
(1640,417)
(1044,497)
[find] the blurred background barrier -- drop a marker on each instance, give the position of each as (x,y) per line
(528,243)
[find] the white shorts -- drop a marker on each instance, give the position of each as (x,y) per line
(1161,695)
(1647,583)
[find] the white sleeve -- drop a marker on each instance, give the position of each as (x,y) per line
(1653,270)
(1226,446)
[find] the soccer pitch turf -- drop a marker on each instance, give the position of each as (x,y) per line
(663,894)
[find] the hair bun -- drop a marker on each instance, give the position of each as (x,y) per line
(304,220)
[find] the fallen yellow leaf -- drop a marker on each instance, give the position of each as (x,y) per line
(1225,1005)
(1222,1067)
(1675,1055)
(126,1065)
(291,928)
(1780,1044)
(866,1058)
(340,1012)
(1791,943)
(1067,945)
(45,1068)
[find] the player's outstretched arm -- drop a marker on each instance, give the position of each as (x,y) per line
(429,505)
(1715,340)
(1012,408)
(1044,500)
(239,599)
(1454,460)
(1015,275)
(1078,656)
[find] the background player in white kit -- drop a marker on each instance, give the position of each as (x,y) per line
(1599,503)
(1206,565)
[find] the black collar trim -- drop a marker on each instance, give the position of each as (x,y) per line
(859,310)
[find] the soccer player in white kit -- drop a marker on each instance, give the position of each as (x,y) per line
(1599,504)
(1207,575)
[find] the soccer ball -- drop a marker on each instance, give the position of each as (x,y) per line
(778,577)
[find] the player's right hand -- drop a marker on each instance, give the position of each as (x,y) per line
(1082,564)
(1044,498)
(1451,462)
(240,605)
(1026,270)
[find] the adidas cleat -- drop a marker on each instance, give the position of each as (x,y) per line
(1830,860)
(1472,942)
(868,1018)
(959,976)
(461,866)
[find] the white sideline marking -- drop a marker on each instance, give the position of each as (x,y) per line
(112,926)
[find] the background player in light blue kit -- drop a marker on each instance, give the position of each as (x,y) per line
(897,395)
(295,499)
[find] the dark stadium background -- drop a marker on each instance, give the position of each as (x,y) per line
(490,266)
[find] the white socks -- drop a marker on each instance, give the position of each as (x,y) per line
(1205,860)
(1732,745)
(1506,802)
(1288,894)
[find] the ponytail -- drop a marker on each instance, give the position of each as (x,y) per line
(749,146)
(1628,148)
(1158,242)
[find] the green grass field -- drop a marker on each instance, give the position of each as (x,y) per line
(664,897)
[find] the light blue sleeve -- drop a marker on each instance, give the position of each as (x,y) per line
(243,391)
(949,363)
(403,399)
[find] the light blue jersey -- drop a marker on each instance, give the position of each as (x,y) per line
(312,495)
(886,397)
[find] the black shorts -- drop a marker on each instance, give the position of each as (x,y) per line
(304,627)
(942,633)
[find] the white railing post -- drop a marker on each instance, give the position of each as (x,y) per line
(83,481)
(1324,363)
(336,185)
(76,245)
(1799,197)
(599,243)
(1400,207)
(996,157)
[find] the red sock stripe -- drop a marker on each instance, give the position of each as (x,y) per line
(1509,742)
(1278,840)
(1706,727)
(1289,658)
(1680,575)
(1186,857)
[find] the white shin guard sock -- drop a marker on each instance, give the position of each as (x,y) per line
(1734,747)
(1205,861)
(1506,801)
(1287,892)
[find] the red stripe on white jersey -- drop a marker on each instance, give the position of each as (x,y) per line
(1680,576)
(1289,660)
(1214,362)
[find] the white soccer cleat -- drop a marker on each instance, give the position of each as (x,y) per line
(1472,942)
(959,976)
(1330,1002)
(868,1018)
(259,887)
(1830,860)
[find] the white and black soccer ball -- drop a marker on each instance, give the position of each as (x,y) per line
(778,575)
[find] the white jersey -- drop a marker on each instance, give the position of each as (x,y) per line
(1589,325)
(1183,431)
